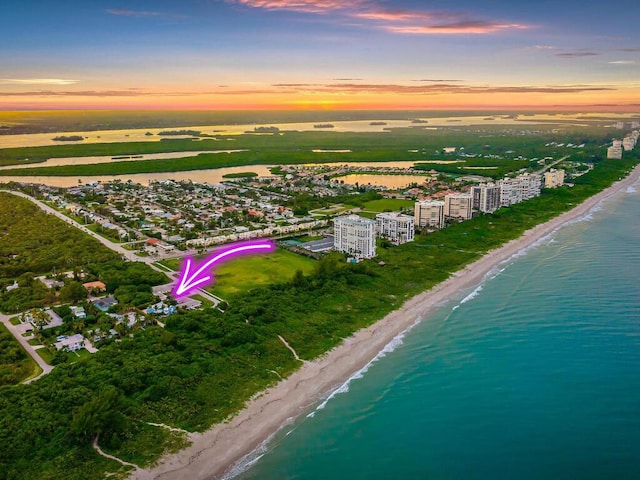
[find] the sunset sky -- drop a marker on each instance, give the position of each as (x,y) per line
(319,54)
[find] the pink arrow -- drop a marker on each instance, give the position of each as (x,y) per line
(189,280)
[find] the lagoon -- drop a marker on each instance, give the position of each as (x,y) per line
(389,181)
(220,131)
(211,175)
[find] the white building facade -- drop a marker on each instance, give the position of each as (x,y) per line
(523,187)
(429,213)
(355,236)
(530,185)
(395,227)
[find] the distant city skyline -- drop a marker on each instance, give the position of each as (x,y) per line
(320,54)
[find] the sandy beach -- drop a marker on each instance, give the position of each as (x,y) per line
(216,451)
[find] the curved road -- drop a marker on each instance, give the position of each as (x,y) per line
(17,331)
(128,254)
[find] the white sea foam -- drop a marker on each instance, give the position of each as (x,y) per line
(472,295)
(246,462)
(251,458)
(388,348)
(632,189)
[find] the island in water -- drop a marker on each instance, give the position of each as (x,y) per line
(68,138)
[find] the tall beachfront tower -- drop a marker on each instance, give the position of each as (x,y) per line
(355,236)
(518,189)
(615,150)
(458,206)
(486,197)
(429,213)
(553,178)
(530,184)
(395,227)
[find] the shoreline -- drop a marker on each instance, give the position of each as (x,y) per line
(215,452)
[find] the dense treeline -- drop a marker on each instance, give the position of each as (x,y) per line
(33,241)
(205,364)
(15,364)
(302,203)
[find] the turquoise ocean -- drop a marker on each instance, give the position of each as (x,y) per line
(535,374)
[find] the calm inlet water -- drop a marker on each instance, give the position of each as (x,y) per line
(535,374)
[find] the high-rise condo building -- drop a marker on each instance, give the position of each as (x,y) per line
(429,213)
(614,152)
(486,197)
(458,205)
(530,185)
(355,236)
(523,187)
(553,178)
(395,227)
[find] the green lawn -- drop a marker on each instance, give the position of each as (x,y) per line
(46,355)
(388,204)
(105,233)
(246,272)
(34,341)
(332,209)
(15,321)
(82,353)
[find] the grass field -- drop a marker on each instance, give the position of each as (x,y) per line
(250,271)
(45,354)
(331,210)
(388,205)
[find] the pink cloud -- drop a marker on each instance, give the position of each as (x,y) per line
(441,88)
(308,6)
(398,16)
(470,27)
(415,22)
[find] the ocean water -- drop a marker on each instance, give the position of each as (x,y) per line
(535,374)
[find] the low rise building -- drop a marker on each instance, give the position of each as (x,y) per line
(355,236)
(70,344)
(395,227)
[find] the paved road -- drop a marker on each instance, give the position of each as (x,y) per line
(128,254)
(17,331)
(547,167)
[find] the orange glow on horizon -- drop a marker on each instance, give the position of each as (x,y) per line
(375,97)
